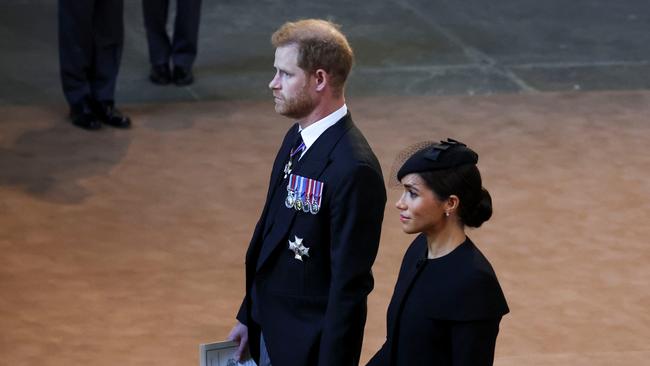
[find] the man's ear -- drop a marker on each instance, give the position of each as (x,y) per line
(322,79)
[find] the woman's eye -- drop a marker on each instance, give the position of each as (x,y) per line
(412,194)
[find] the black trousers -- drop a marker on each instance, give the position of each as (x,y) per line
(91,35)
(182,48)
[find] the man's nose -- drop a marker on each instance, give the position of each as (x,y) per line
(273,84)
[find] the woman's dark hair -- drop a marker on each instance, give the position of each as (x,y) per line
(464,181)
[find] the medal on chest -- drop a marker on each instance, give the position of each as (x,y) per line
(304,194)
(298,248)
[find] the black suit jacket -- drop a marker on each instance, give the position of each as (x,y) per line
(313,312)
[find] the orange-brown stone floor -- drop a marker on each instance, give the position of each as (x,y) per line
(127,247)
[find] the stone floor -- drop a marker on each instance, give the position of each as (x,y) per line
(127,247)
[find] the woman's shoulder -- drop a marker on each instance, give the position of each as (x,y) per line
(473,265)
(473,290)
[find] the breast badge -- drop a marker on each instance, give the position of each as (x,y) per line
(299,250)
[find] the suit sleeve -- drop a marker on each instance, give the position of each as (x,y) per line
(242,314)
(356,214)
(473,342)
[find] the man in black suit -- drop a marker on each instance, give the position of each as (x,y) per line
(181,49)
(91,34)
(308,265)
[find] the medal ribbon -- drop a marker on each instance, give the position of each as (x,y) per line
(292,182)
(310,189)
(306,190)
(295,150)
(318,192)
(301,187)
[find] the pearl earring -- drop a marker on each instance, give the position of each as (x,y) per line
(447,214)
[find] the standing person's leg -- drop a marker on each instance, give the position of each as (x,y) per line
(75,48)
(108,30)
(76,57)
(155,13)
(186,39)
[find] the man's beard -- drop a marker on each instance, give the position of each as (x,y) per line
(297,107)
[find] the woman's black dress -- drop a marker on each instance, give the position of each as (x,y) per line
(444,311)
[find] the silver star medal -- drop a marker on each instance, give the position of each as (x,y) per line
(298,249)
(287,169)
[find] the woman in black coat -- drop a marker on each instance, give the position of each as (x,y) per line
(447,303)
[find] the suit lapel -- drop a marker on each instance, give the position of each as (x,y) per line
(277,174)
(278,167)
(312,166)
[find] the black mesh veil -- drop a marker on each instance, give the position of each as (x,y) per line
(402,157)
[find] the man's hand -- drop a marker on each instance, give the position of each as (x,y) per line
(239,333)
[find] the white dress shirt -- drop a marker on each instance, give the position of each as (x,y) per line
(313,131)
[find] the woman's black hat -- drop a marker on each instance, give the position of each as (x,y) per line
(438,156)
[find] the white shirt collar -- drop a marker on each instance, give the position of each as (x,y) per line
(313,131)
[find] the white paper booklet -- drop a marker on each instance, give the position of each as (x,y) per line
(221,354)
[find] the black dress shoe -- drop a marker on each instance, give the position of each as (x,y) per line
(182,76)
(85,120)
(160,74)
(108,114)
(82,116)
